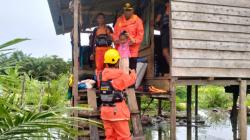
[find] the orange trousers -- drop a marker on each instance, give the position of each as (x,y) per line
(99,61)
(117,130)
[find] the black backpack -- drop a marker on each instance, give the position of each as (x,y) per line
(102,39)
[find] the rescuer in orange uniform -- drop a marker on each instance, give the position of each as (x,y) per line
(133,25)
(114,111)
(101,42)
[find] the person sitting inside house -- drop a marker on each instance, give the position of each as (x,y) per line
(162,20)
(101,42)
(115,113)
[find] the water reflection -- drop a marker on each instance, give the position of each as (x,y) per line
(217,126)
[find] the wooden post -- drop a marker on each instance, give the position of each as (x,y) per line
(243,111)
(135,115)
(173,110)
(159,107)
(75,59)
(196,100)
(139,102)
(196,132)
(76,53)
(234,114)
(196,111)
(150,69)
(91,93)
(189,104)
(172,85)
(189,112)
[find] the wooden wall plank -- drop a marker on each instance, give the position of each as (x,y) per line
(217,27)
(210,45)
(212,18)
(203,63)
(233,3)
(210,54)
(210,72)
(210,36)
(212,9)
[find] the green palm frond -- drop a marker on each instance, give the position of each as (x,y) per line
(13,42)
(16,122)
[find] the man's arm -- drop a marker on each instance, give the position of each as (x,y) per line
(124,81)
(139,32)
(116,32)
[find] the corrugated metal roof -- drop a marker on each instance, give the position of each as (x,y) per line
(63,18)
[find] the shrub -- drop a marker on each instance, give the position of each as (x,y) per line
(214,96)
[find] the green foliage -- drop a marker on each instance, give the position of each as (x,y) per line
(13,42)
(43,69)
(248,100)
(25,123)
(214,96)
(31,120)
(6,63)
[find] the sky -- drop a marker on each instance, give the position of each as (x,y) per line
(32,19)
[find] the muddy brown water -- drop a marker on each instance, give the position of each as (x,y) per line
(217,126)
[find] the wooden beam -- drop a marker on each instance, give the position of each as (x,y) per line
(150,70)
(243,111)
(94,135)
(173,110)
(234,115)
(206,82)
(76,50)
(211,72)
(75,59)
(189,104)
(189,131)
(135,117)
(172,87)
(196,100)
(159,107)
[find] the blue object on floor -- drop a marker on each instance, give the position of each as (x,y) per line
(82,86)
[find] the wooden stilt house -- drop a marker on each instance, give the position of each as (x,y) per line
(209,45)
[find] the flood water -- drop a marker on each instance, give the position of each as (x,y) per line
(212,126)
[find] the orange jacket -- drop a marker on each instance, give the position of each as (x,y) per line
(120,81)
(134,27)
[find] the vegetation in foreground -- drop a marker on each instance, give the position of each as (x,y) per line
(33,106)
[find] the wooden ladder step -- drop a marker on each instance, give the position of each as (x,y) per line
(82,102)
(87,114)
(87,133)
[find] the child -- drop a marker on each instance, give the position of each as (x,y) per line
(124,51)
(114,111)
